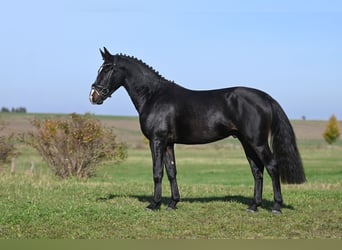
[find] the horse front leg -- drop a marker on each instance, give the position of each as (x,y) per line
(171,170)
(158,151)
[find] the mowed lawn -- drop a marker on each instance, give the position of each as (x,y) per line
(215,183)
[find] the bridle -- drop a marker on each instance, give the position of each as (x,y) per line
(104,92)
(104,65)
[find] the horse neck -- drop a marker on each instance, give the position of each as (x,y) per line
(140,86)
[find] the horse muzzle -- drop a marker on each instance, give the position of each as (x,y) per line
(95,97)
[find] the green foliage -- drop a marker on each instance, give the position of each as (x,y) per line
(7,148)
(74,147)
(332,131)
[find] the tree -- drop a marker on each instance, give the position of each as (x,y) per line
(332,132)
(5,110)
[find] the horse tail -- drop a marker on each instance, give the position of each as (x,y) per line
(285,148)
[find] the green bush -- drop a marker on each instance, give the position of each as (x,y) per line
(332,131)
(74,147)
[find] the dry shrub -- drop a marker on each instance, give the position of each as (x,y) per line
(74,147)
(7,148)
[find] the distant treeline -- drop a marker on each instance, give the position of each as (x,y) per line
(14,110)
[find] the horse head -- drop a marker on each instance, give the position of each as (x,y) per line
(109,78)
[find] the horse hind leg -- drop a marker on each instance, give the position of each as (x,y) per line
(270,163)
(278,199)
(257,169)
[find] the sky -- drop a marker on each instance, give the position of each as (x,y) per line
(49,53)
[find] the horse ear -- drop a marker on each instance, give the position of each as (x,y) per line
(102,54)
(106,51)
(106,56)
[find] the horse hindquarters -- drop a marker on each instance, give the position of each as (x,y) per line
(253,115)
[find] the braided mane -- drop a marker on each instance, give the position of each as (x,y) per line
(143,64)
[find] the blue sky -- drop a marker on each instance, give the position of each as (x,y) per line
(290,49)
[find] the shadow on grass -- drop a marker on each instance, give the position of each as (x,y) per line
(266,204)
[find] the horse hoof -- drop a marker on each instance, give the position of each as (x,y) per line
(153,207)
(253,208)
(171,208)
(276,212)
(172,205)
(252,211)
(149,209)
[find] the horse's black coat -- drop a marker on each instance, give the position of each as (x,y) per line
(172,114)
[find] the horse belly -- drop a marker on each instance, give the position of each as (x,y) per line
(200,132)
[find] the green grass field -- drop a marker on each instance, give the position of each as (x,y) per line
(215,184)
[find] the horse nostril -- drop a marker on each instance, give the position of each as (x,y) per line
(93,96)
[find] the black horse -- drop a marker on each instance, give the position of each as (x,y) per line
(170,114)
